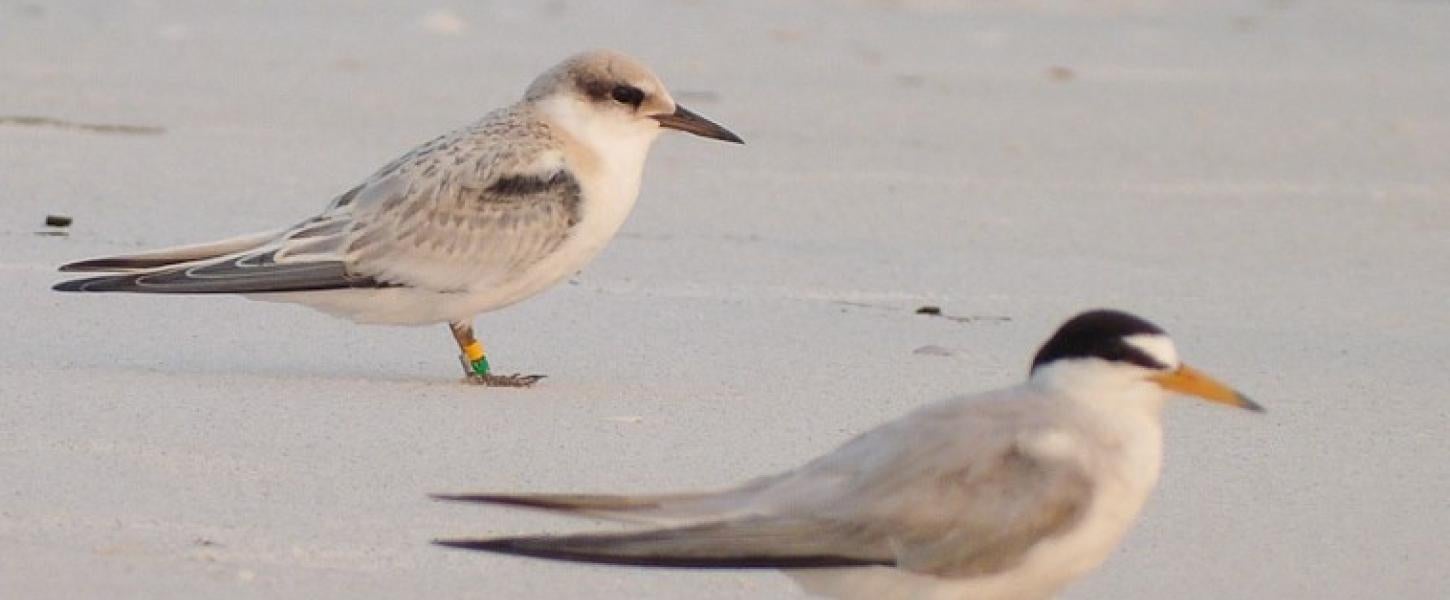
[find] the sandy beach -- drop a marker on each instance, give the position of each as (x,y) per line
(1270,181)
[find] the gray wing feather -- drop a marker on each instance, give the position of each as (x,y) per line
(1006,510)
(744,544)
(473,208)
(247,274)
(654,509)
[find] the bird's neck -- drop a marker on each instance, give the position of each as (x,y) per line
(1107,392)
(607,158)
(613,150)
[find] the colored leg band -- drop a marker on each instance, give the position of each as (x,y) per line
(474,351)
(476,358)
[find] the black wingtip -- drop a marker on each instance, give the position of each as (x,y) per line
(116,264)
(586,549)
(474,498)
(500,545)
(80,266)
(92,284)
(543,502)
(107,283)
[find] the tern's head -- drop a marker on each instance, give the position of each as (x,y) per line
(606,96)
(1109,351)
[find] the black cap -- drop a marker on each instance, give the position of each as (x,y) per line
(1100,334)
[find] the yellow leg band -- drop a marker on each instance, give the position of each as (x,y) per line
(473,351)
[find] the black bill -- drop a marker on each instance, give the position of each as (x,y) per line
(689,122)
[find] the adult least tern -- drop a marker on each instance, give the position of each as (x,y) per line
(1006,494)
(472,221)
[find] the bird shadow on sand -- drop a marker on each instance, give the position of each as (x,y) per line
(338,375)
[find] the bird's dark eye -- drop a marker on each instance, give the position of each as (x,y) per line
(627,94)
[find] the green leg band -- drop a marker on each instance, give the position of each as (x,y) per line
(480,366)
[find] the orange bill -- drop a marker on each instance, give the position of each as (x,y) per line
(1190,381)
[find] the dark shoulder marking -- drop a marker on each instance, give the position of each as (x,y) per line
(528,185)
(558,188)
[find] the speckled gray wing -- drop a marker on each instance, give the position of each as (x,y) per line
(450,233)
(468,209)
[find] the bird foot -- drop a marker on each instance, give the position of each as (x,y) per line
(516,380)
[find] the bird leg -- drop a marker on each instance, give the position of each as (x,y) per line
(475,361)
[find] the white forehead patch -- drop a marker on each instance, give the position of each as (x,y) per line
(1156,345)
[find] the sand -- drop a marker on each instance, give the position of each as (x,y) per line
(1268,180)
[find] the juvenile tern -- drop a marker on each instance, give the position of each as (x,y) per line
(472,221)
(1005,494)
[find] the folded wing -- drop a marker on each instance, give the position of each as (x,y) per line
(957,489)
(754,543)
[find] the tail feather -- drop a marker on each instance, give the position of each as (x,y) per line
(660,508)
(757,543)
(170,256)
(563,502)
(256,271)
(272,278)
